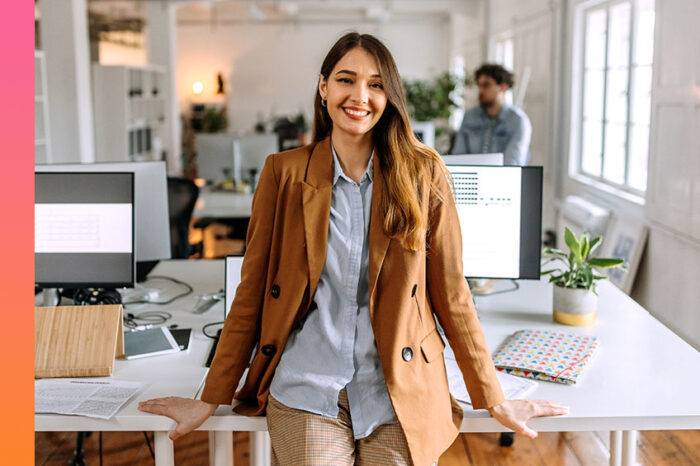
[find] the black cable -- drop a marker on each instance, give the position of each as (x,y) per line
(148,442)
(100,446)
(210,324)
(509,290)
(160,303)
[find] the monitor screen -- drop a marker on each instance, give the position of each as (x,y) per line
(152,225)
(232,276)
(254,150)
(500,216)
(83,230)
(215,156)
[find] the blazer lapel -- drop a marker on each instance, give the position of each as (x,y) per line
(317,189)
(378,240)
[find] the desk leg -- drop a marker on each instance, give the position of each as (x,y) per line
(259,449)
(165,453)
(615,448)
(221,448)
(629,448)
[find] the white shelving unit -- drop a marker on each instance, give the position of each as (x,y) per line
(130,112)
(42,146)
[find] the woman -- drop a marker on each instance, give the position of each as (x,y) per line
(353,244)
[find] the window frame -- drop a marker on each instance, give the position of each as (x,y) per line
(624,190)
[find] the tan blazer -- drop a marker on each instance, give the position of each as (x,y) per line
(285,254)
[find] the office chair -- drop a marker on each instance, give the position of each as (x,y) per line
(182,196)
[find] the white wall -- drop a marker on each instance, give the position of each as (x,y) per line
(272,69)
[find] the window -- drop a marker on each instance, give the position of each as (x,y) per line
(503,54)
(618,45)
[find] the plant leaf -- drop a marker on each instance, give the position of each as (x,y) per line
(573,244)
(595,243)
(605,263)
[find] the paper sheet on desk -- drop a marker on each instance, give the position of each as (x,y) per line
(513,387)
(92,397)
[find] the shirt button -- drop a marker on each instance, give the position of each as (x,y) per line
(275,291)
(268,350)
(407,354)
(413,292)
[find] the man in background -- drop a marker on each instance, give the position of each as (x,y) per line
(494,126)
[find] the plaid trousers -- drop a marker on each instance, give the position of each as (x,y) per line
(301,438)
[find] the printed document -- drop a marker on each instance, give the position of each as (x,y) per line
(92,397)
(513,387)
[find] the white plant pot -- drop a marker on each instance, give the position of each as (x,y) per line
(574,306)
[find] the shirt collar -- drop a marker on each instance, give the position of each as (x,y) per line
(338,170)
(499,117)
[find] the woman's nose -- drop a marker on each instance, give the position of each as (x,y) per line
(360,94)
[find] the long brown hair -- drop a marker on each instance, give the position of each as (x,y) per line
(404,161)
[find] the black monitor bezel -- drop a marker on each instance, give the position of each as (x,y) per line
(129,284)
(536,170)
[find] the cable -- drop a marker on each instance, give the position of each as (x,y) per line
(100,443)
(150,318)
(210,324)
(161,303)
(148,442)
(509,290)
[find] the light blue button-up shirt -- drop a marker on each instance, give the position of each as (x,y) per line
(335,347)
(509,132)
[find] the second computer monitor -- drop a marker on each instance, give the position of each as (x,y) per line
(500,216)
(474,159)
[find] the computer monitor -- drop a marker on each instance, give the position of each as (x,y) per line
(254,150)
(474,159)
(500,215)
(232,276)
(425,132)
(152,225)
(83,230)
(215,154)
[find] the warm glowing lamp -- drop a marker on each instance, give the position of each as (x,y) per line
(197,87)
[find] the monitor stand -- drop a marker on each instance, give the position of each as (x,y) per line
(51,297)
(143,268)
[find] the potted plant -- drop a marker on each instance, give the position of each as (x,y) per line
(575,296)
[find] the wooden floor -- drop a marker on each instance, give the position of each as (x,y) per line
(570,448)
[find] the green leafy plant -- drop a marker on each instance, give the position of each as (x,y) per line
(577,269)
(430,99)
(214,120)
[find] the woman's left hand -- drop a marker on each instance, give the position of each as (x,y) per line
(514,414)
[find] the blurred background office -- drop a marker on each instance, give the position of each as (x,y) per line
(212,87)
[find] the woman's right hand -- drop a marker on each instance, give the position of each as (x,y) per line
(188,413)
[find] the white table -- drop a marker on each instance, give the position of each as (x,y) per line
(643,377)
(222,204)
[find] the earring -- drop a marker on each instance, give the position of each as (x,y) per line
(324,102)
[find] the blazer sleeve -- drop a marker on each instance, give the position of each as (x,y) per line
(451,299)
(241,329)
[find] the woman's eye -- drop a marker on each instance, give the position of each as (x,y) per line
(343,80)
(377,85)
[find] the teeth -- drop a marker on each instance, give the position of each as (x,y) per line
(353,112)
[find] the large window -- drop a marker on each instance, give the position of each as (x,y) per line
(618,45)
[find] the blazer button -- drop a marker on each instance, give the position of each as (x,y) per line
(406,353)
(413,292)
(268,350)
(275,291)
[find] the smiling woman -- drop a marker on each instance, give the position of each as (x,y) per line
(352,252)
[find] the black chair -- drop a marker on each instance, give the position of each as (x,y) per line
(182,196)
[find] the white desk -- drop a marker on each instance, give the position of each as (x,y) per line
(222,204)
(179,374)
(644,377)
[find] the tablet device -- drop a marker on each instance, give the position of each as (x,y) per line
(182,337)
(149,342)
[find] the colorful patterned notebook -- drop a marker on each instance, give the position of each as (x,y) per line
(544,355)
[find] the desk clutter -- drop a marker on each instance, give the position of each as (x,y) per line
(545,355)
